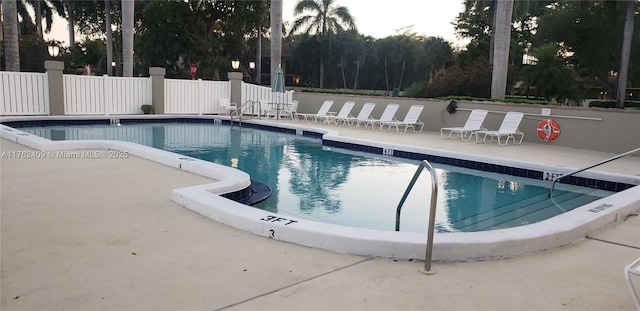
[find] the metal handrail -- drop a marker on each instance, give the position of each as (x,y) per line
(432,210)
(590,166)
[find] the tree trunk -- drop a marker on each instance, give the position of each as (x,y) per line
(72,22)
(127,38)
(344,78)
(109,39)
(625,54)
(322,63)
(259,57)
(355,80)
(386,74)
(502,31)
(10,28)
(38,10)
(276,36)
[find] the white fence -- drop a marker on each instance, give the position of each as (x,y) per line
(189,96)
(254,93)
(23,93)
(105,95)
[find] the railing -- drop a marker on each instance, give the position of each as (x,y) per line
(432,210)
(189,96)
(553,184)
(23,93)
(105,95)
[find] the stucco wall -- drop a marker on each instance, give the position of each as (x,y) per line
(614,131)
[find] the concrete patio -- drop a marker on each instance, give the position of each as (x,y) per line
(103,234)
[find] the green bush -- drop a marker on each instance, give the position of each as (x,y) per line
(612,104)
(343,91)
(148,109)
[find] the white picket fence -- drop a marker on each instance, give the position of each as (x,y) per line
(23,93)
(106,95)
(255,93)
(194,96)
(28,94)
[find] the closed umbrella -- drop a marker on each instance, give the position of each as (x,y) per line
(278,87)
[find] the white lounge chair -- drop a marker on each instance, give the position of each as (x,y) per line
(363,116)
(345,112)
(227,106)
(411,120)
(320,116)
(473,124)
(388,115)
(508,129)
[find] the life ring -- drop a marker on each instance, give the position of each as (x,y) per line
(548,130)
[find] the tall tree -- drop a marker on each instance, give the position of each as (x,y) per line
(502,33)
(127,37)
(109,36)
(10,28)
(324,20)
(276,36)
(626,53)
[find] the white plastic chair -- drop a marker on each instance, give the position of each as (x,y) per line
(388,115)
(266,109)
(411,120)
(228,107)
(508,129)
(473,124)
(321,115)
(344,113)
(363,116)
(633,269)
(290,110)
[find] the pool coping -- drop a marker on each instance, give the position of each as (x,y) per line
(206,200)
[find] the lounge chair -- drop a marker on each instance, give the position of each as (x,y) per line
(508,129)
(345,112)
(388,115)
(363,116)
(228,107)
(473,124)
(411,120)
(323,112)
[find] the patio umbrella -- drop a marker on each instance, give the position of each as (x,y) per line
(278,87)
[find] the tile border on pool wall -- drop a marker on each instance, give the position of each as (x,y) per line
(481,166)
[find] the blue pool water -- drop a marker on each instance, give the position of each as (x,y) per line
(349,188)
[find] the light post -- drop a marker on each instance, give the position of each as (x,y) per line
(53,49)
(235,63)
(252,67)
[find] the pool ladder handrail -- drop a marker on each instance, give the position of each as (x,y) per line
(553,183)
(432,209)
(239,112)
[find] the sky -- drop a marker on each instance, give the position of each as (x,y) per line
(378,19)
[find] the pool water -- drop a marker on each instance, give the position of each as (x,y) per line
(349,188)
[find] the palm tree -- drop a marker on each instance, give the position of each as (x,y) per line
(10,28)
(550,77)
(127,38)
(326,21)
(109,35)
(626,53)
(276,36)
(502,33)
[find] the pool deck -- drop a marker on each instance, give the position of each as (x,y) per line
(103,234)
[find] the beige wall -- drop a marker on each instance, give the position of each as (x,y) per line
(617,131)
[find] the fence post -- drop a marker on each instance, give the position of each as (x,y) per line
(235,79)
(56,86)
(157,88)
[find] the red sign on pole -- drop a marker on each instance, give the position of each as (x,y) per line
(194,70)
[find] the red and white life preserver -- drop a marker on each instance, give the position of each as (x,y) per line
(548,130)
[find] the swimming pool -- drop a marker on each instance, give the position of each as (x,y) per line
(553,232)
(344,187)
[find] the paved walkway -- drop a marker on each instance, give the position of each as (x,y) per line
(98,234)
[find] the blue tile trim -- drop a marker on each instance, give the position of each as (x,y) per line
(487,167)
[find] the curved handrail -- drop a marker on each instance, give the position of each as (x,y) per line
(553,184)
(432,210)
